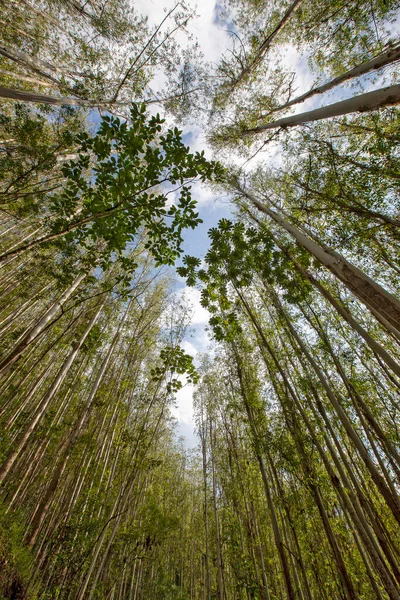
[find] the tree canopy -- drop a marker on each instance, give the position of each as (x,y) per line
(292,489)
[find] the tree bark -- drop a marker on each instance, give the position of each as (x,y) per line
(388,96)
(29,337)
(13,455)
(386,58)
(274,519)
(374,296)
(69,443)
(12,94)
(220,577)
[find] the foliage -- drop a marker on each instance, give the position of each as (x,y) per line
(121,192)
(292,492)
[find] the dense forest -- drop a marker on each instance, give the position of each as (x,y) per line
(293,490)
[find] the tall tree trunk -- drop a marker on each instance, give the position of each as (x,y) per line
(391,499)
(29,337)
(44,403)
(343,312)
(220,576)
(355,512)
(374,296)
(345,578)
(274,519)
(31,62)
(388,96)
(266,44)
(385,58)
(203,438)
(69,442)
(12,94)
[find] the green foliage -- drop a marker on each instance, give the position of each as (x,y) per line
(28,162)
(175,361)
(16,561)
(116,187)
(239,257)
(113,505)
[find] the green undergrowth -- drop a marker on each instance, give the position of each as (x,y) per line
(16,560)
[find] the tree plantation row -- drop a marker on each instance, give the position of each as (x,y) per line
(293,490)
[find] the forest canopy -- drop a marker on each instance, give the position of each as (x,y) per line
(127,131)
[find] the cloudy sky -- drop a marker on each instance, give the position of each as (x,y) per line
(211,30)
(214,39)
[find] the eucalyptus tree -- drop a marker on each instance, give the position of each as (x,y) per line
(383,303)
(34,146)
(103,407)
(294,491)
(83,315)
(388,57)
(388,96)
(241,66)
(243,267)
(112,197)
(354,52)
(102,55)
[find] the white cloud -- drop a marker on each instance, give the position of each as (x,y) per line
(183,410)
(184,414)
(198,140)
(190,348)
(200,314)
(204,195)
(186,430)
(296,63)
(213,39)
(201,340)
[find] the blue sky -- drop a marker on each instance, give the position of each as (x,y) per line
(212,30)
(196,242)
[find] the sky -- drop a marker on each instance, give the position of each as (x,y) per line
(212,32)
(211,29)
(213,37)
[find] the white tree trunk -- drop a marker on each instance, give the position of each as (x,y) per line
(386,58)
(374,296)
(14,355)
(387,96)
(32,97)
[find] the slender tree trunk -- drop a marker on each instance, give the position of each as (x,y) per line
(386,58)
(343,312)
(356,512)
(345,578)
(347,496)
(44,403)
(20,77)
(206,529)
(388,96)
(19,95)
(29,337)
(35,64)
(220,577)
(265,588)
(391,499)
(69,443)
(358,400)
(266,44)
(274,519)
(375,297)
